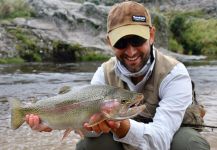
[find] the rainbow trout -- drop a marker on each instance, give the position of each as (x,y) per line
(69,111)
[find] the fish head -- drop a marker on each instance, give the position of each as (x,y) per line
(123,104)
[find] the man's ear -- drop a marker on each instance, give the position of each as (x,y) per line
(152,34)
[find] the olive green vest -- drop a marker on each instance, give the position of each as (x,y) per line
(163,66)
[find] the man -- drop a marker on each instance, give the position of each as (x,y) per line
(138,66)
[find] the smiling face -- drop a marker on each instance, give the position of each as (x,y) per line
(133,58)
(131,53)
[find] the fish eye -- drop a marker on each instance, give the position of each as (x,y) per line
(123,101)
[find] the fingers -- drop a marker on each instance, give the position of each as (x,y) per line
(86,126)
(114,124)
(35,123)
(104,126)
(101,127)
(96,128)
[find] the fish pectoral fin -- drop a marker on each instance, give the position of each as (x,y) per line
(96,119)
(66,133)
(80,133)
(107,115)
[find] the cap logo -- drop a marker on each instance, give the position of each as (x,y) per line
(139,18)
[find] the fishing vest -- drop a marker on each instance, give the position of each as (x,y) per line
(163,66)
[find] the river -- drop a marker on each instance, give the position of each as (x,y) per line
(31,82)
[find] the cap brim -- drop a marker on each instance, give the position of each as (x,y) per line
(140,30)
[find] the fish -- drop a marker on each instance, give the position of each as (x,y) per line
(70,110)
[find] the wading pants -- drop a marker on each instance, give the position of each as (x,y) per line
(185,139)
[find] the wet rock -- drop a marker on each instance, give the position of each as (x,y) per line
(7,46)
(3,99)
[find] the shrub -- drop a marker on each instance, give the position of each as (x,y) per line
(196,35)
(16,60)
(26,45)
(175,46)
(10,9)
(201,36)
(93,56)
(64,52)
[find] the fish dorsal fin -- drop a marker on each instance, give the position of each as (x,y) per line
(64,89)
(80,133)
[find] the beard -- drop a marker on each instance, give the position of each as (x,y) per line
(136,65)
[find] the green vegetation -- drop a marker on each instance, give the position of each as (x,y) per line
(174,46)
(97,2)
(188,32)
(192,33)
(63,52)
(31,50)
(93,56)
(11,60)
(201,37)
(10,9)
(27,45)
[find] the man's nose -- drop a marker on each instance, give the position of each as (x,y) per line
(130,50)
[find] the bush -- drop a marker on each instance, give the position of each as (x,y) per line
(26,45)
(201,36)
(178,26)
(16,60)
(175,46)
(63,52)
(196,35)
(93,56)
(10,9)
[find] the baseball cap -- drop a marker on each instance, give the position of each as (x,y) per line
(128,18)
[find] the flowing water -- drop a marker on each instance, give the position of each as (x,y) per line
(31,82)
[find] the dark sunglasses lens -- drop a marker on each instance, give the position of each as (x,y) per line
(137,41)
(121,44)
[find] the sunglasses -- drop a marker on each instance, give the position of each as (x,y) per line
(134,41)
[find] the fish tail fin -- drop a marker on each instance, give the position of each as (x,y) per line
(17,116)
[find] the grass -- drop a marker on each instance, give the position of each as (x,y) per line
(10,9)
(94,56)
(27,45)
(16,60)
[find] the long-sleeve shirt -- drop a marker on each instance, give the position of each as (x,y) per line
(175,95)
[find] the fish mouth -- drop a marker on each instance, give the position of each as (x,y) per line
(137,101)
(127,111)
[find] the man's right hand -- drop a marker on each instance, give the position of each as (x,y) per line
(35,123)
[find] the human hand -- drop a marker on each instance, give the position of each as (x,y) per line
(120,128)
(103,126)
(35,123)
